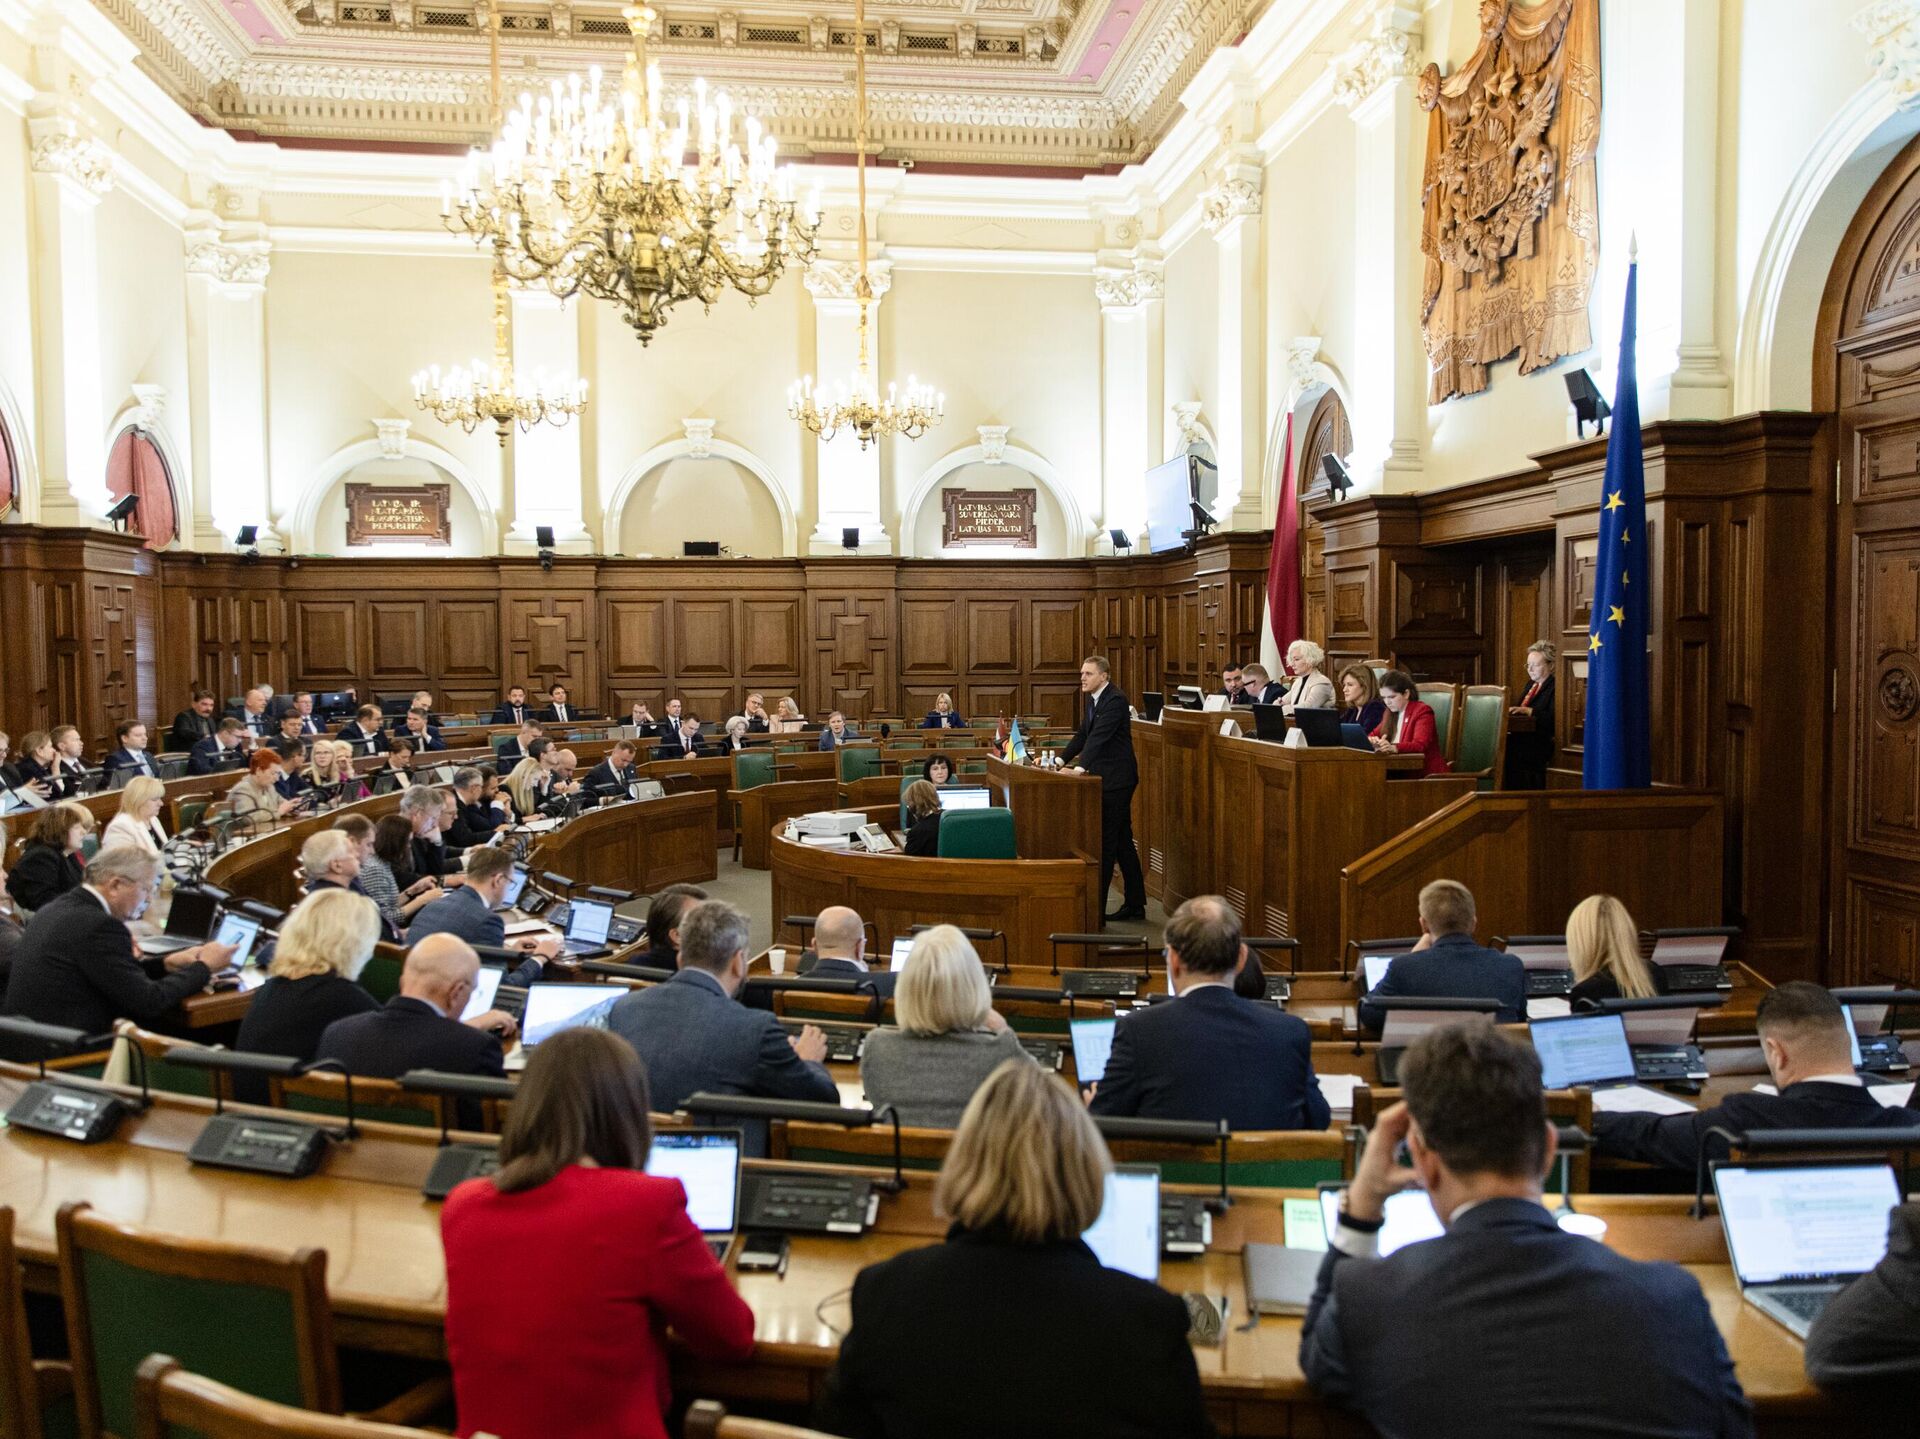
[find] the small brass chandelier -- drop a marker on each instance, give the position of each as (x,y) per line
(609,197)
(856,403)
(473,395)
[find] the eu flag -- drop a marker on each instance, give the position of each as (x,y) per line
(1619,747)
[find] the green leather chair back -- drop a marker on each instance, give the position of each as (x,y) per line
(977,834)
(752,768)
(240,1334)
(1440,698)
(1481,718)
(858,762)
(1253,1173)
(190,811)
(381,977)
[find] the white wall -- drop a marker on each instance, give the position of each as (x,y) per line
(1049,521)
(711,499)
(330,522)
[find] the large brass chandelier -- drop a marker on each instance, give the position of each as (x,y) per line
(612,197)
(481,393)
(856,403)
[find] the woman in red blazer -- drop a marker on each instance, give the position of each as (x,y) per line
(1407,727)
(566,1268)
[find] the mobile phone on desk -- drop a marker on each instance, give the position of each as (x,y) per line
(763,1250)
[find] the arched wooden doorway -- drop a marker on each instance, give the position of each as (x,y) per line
(1866,369)
(1327,432)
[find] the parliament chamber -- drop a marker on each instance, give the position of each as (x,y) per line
(1223,745)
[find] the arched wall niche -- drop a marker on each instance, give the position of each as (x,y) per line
(318,524)
(1014,467)
(699,488)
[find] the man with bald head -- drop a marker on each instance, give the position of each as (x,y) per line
(1211,1055)
(840,942)
(420,1027)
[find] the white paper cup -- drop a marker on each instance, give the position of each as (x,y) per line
(777,960)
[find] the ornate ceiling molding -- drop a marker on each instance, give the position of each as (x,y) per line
(1123,286)
(239,263)
(837,280)
(60,149)
(1236,196)
(1892,28)
(1391,51)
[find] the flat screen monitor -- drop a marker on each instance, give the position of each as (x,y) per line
(589,922)
(965,797)
(1375,967)
(1805,1221)
(707,1164)
(1126,1236)
(1169,503)
(554,1007)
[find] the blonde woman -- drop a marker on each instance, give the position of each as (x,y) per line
(1603,947)
(1024,1179)
(787,717)
(1311,690)
(527,785)
(313,979)
(138,821)
(948,1040)
(330,770)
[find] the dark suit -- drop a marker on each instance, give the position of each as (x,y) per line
(558,714)
(422,743)
(59,787)
(362,741)
(42,874)
(1103,745)
(694,1036)
(1674,1141)
(130,762)
(924,1357)
(678,745)
(257,724)
(1529,752)
(1368,715)
(882,981)
(310,726)
(923,836)
(1595,987)
(1446,1339)
(950,720)
(828,741)
(1455,968)
(604,775)
(407,1034)
(1867,1340)
(472,824)
(288,1016)
(1211,1055)
(512,714)
(189,728)
(757,724)
(209,756)
(1268,694)
(75,966)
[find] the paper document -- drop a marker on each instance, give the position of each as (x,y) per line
(1892,1096)
(1549,1008)
(528,926)
(1339,1088)
(1637,1099)
(1305,1227)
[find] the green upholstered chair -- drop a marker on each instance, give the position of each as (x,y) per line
(36,1395)
(751,769)
(381,1099)
(1445,703)
(1378,666)
(253,1318)
(380,976)
(190,812)
(1483,734)
(858,762)
(1267,1159)
(803,1143)
(976,834)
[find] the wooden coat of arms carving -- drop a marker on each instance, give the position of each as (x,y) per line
(1510,220)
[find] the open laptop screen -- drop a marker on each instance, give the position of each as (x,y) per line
(1126,1236)
(516,886)
(902,947)
(1805,1221)
(1585,1049)
(1092,1043)
(707,1164)
(589,922)
(965,797)
(486,984)
(241,931)
(1375,967)
(554,1007)
(1408,1218)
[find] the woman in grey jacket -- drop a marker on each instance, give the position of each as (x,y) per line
(948,1040)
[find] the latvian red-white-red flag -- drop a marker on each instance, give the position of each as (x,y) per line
(1282,623)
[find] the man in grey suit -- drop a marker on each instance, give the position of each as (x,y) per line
(840,950)
(1866,1343)
(694,1036)
(1469,1334)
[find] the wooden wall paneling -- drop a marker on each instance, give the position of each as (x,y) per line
(1439,620)
(770,647)
(548,623)
(396,633)
(326,649)
(851,607)
(635,652)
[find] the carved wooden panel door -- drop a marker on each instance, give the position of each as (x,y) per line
(1876,576)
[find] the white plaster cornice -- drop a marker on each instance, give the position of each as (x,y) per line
(240,263)
(1130,280)
(62,150)
(838,280)
(1390,51)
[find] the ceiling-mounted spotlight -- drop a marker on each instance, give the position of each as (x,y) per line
(1589,405)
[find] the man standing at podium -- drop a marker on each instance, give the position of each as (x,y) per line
(1103,745)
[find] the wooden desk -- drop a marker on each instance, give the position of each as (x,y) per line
(263,868)
(1055,815)
(713,774)
(1267,826)
(766,805)
(642,845)
(1026,898)
(386,1276)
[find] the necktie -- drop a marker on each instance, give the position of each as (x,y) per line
(1089,711)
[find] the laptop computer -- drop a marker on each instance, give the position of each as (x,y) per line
(242,932)
(1881,1053)
(190,919)
(1374,968)
(1585,1050)
(1270,723)
(1800,1233)
(1151,703)
(516,886)
(589,922)
(1092,1044)
(965,797)
(902,947)
(486,984)
(707,1164)
(1126,1236)
(1321,727)
(554,1007)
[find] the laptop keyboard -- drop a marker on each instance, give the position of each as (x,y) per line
(718,1247)
(1803,1304)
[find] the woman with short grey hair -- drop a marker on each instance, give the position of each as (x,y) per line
(1311,689)
(948,1038)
